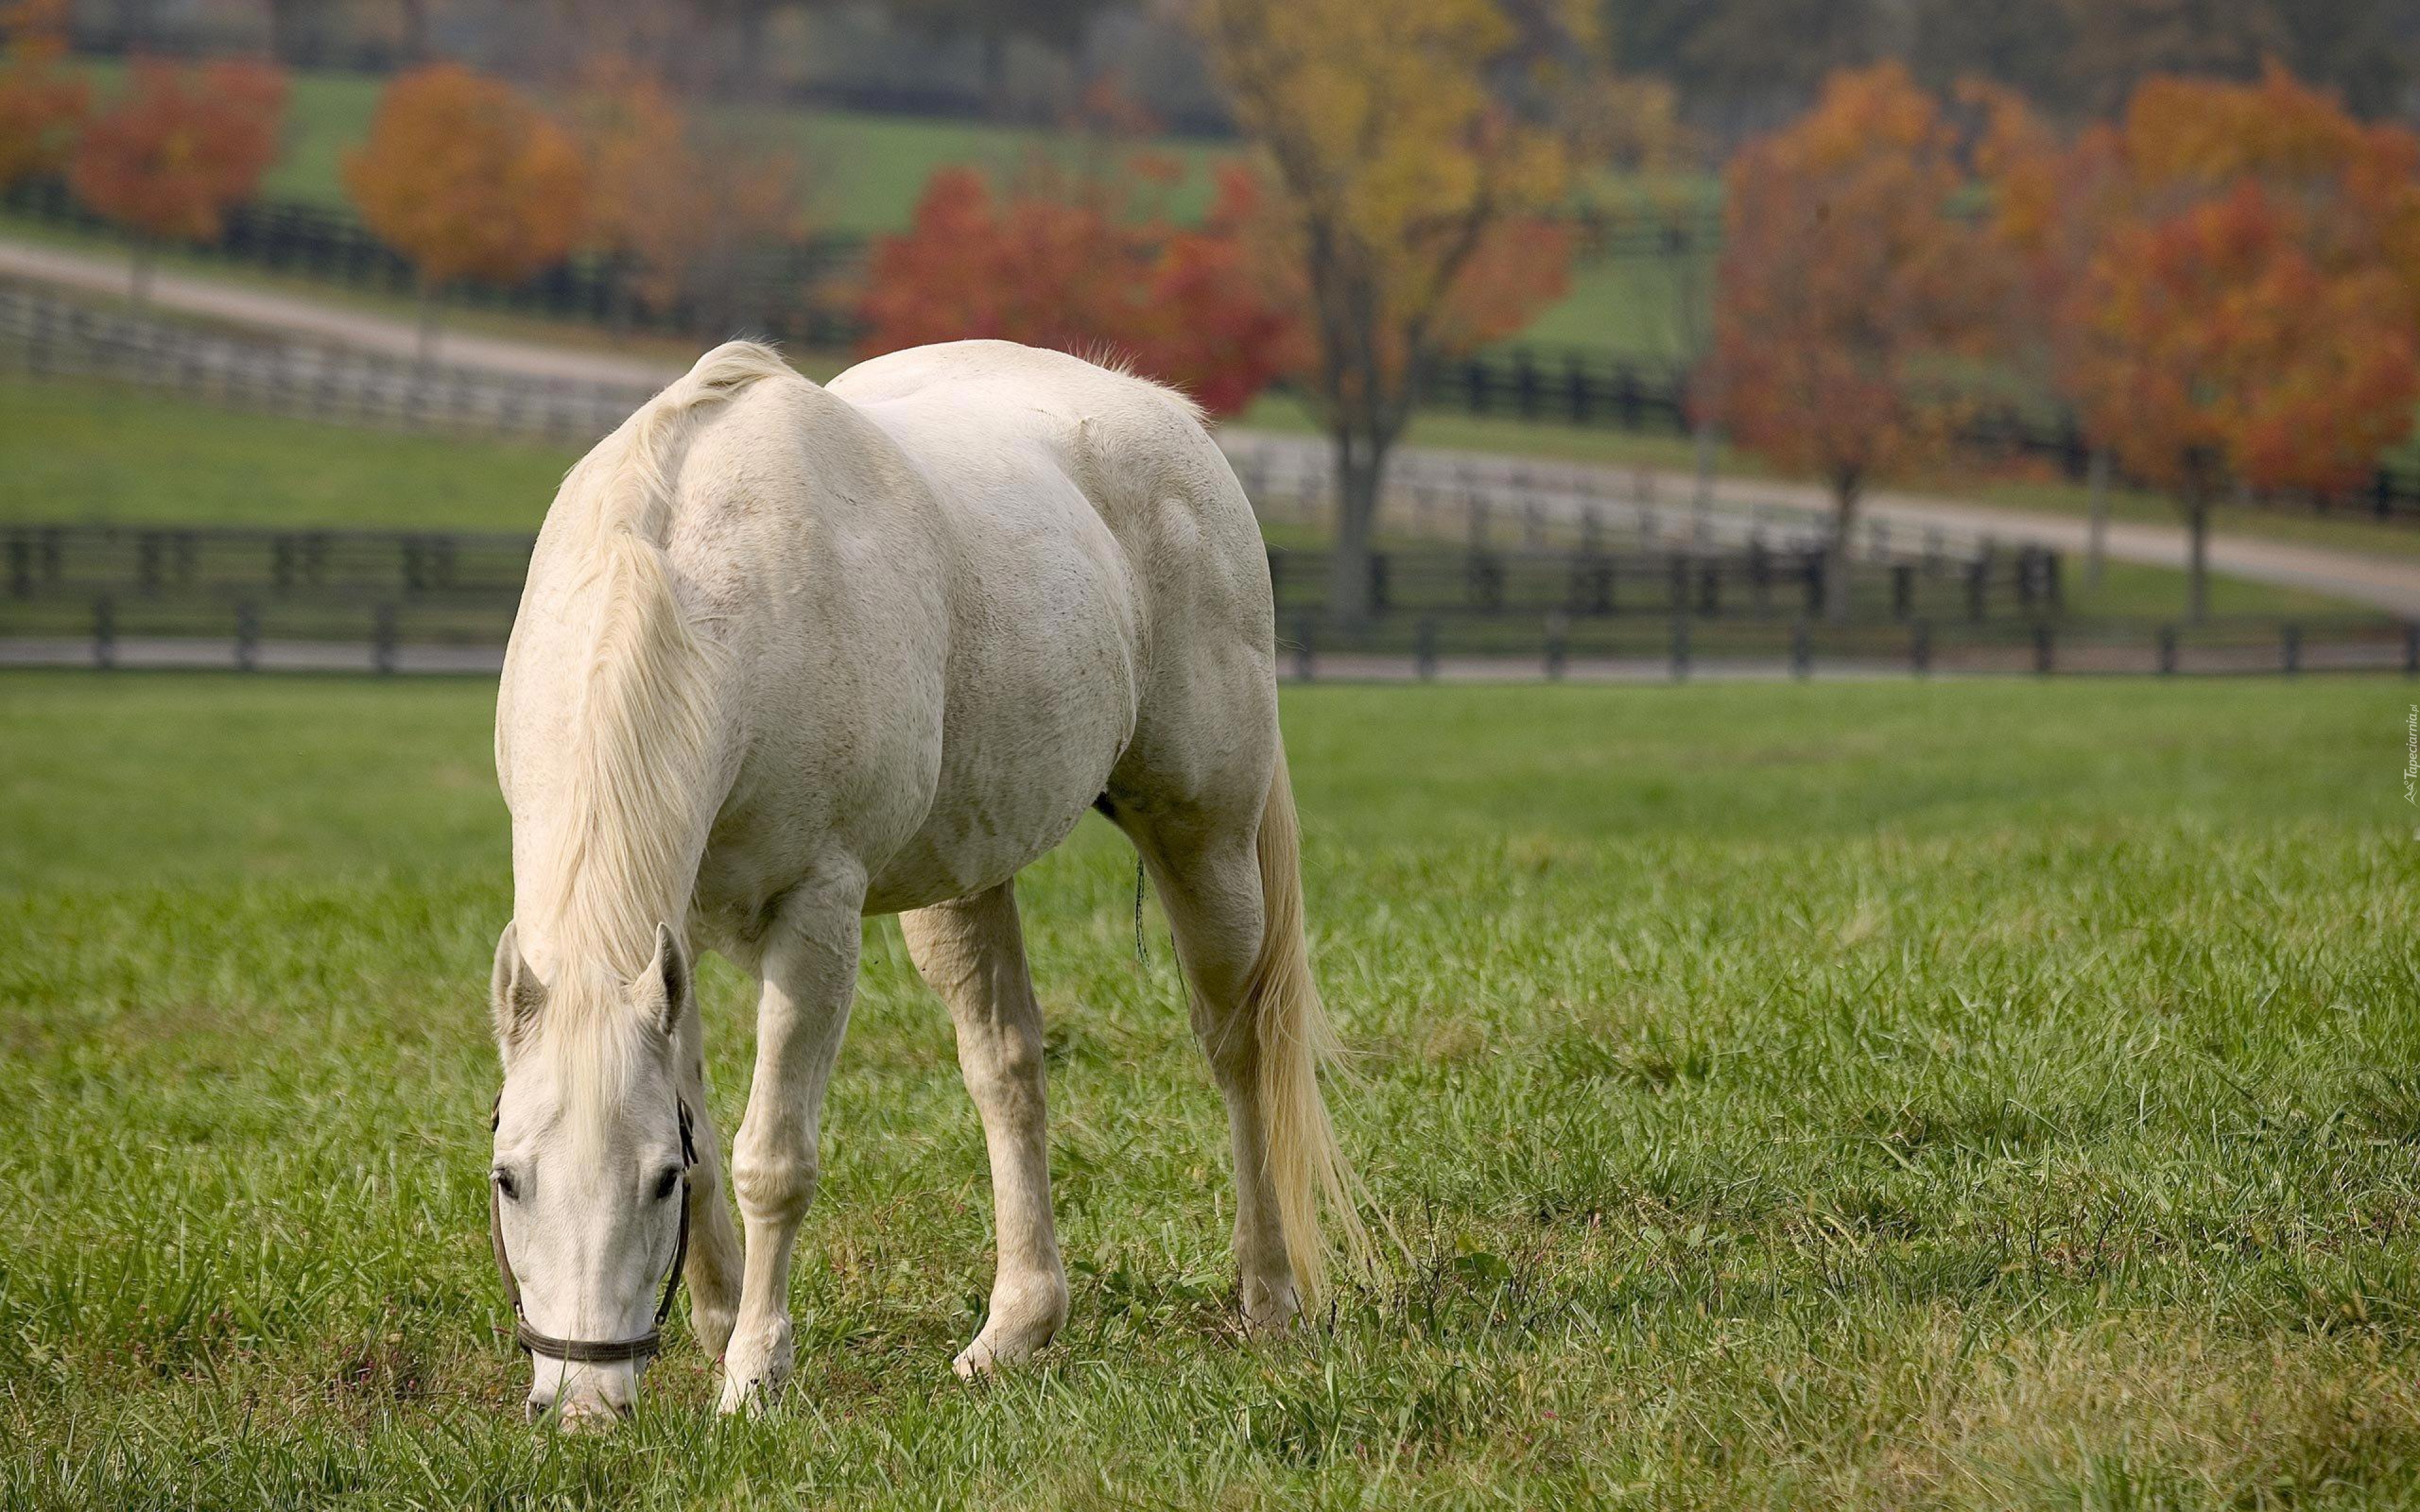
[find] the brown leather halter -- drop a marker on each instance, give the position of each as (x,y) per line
(592,1351)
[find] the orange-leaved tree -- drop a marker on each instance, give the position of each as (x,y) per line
(179,148)
(467,179)
(2051,203)
(40,103)
(1083,264)
(1846,279)
(682,207)
(1409,152)
(2239,299)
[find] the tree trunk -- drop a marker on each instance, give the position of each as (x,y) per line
(2097,544)
(413,43)
(1705,462)
(2197,507)
(1360,473)
(429,310)
(995,73)
(1846,487)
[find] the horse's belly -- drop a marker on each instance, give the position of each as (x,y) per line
(1042,693)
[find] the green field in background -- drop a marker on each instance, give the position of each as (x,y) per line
(1970,1095)
(96,453)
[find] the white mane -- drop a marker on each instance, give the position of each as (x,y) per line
(641,740)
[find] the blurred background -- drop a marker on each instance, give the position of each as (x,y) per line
(1624,339)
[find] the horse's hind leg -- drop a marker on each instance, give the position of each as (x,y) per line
(1204,865)
(973,952)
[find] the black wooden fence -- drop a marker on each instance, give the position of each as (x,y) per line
(462,588)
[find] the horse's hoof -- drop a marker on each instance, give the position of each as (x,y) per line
(1270,1308)
(985,1358)
(755,1369)
(746,1398)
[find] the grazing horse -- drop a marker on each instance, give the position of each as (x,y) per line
(790,656)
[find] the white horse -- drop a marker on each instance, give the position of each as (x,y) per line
(789,655)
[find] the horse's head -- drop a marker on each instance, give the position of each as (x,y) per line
(590,1177)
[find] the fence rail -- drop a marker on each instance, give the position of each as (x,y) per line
(334,635)
(50,338)
(191,579)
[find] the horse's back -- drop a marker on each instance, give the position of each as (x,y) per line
(1189,544)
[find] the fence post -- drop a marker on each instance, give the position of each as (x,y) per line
(1378,597)
(2043,664)
(1802,651)
(1305,655)
(247,636)
(1920,647)
(2411,648)
(1424,652)
(382,645)
(1554,648)
(2167,651)
(104,633)
(1902,590)
(1680,647)
(2291,648)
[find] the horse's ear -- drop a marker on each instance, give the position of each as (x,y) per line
(514,991)
(663,989)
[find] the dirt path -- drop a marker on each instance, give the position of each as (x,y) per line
(2381,581)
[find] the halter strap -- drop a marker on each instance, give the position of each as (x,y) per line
(593,1352)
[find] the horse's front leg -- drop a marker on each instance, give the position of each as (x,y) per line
(714,1253)
(810,970)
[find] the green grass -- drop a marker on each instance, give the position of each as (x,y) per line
(1976,1094)
(97,454)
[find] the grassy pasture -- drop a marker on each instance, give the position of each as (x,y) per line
(1961,1095)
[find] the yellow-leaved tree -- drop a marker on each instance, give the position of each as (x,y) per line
(466,178)
(1413,153)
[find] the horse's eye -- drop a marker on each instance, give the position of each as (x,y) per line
(503,1180)
(665,1183)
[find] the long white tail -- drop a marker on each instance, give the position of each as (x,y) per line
(1294,1040)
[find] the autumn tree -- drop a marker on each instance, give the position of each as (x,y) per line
(467,180)
(2244,302)
(1408,150)
(680,205)
(1846,279)
(41,102)
(179,148)
(2052,202)
(1086,264)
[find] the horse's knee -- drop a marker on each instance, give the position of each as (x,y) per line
(774,1184)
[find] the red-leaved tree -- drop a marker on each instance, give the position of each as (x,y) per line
(1072,263)
(1846,281)
(40,103)
(2230,284)
(178,149)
